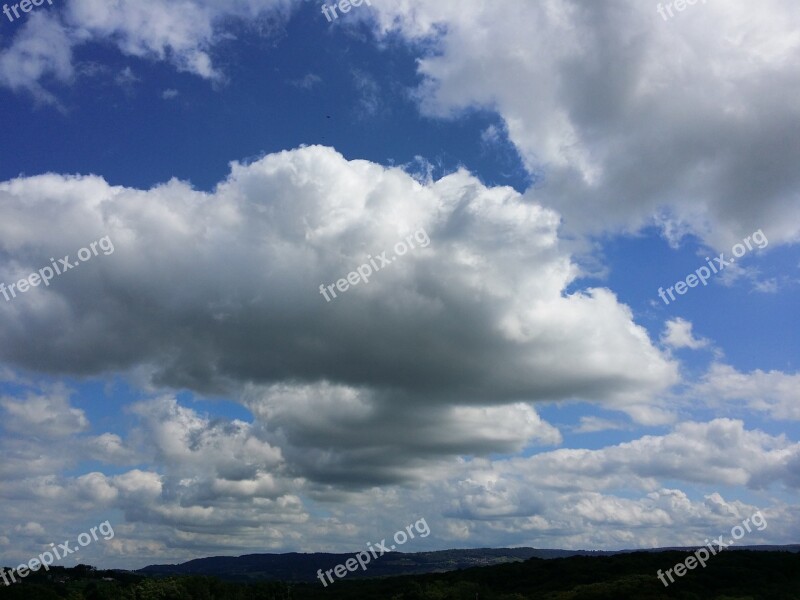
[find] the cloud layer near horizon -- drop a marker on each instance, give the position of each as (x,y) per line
(210,486)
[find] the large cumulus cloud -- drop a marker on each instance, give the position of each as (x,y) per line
(213,290)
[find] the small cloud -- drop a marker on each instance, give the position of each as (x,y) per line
(768,286)
(47,415)
(92,69)
(673,229)
(421,169)
(109,448)
(31,528)
(491,135)
(752,275)
(368,91)
(169,94)
(126,79)
(307,82)
(7,375)
(595,424)
(678,334)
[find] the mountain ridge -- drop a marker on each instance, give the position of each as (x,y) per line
(303,567)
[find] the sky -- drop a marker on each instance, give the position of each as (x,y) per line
(277,282)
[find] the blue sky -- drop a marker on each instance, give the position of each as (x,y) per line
(518,381)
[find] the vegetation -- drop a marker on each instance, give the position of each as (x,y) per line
(739,575)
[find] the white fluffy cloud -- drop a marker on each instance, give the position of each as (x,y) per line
(227,458)
(774,393)
(182,32)
(690,124)
(45,434)
(211,291)
(41,49)
(721,452)
(678,334)
(43,415)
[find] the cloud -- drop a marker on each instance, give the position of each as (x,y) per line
(200,447)
(720,452)
(673,124)
(768,286)
(628,119)
(211,485)
(357,438)
(774,393)
(415,394)
(151,29)
(678,334)
(43,416)
(595,424)
(182,33)
(31,528)
(109,448)
(213,291)
(307,82)
(369,92)
(45,434)
(492,135)
(126,78)
(41,50)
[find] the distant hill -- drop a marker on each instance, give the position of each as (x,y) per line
(746,574)
(303,567)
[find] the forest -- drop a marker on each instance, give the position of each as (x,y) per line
(736,575)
